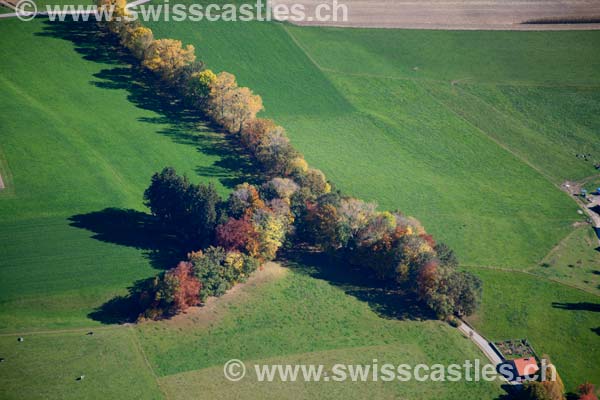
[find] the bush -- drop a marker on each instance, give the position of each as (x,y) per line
(170,293)
(243,201)
(316,183)
(586,391)
(253,132)
(196,86)
(390,245)
(275,153)
(271,233)
(219,270)
(282,188)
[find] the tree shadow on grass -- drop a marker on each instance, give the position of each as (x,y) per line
(118,310)
(387,301)
(135,229)
(177,121)
(581,306)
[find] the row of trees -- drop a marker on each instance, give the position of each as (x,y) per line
(297,201)
(392,247)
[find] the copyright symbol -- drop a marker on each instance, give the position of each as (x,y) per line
(234,370)
(26,10)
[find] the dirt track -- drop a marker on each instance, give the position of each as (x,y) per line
(452,14)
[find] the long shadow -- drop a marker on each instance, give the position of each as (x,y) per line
(179,122)
(176,121)
(387,301)
(581,306)
(118,310)
(135,229)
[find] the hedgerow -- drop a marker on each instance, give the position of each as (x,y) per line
(295,202)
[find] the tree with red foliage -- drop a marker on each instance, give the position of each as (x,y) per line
(238,235)
(185,286)
(586,391)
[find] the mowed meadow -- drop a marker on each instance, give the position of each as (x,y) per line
(468,131)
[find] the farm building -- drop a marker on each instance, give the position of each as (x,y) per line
(526,366)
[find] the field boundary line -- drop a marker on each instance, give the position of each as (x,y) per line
(301,47)
(140,349)
(528,272)
(48,331)
(555,248)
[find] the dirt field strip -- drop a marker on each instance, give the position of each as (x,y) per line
(1,183)
(458,15)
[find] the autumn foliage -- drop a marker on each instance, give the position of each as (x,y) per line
(172,292)
(295,201)
(238,235)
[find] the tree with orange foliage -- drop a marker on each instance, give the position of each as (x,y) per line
(254,130)
(182,286)
(232,106)
(244,201)
(167,56)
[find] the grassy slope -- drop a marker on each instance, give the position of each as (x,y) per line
(300,318)
(46,366)
(81,137)
(211,382)
(546,127)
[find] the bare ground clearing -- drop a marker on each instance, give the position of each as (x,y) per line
(460,15)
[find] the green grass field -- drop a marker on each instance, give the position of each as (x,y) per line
(48,365)
(81,138)
(477,160)
(300,319)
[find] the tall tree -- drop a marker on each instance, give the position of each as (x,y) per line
(167,56)
(165,196)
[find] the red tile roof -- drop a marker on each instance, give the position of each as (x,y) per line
(526,366)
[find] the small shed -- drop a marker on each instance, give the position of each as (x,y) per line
(526,366)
